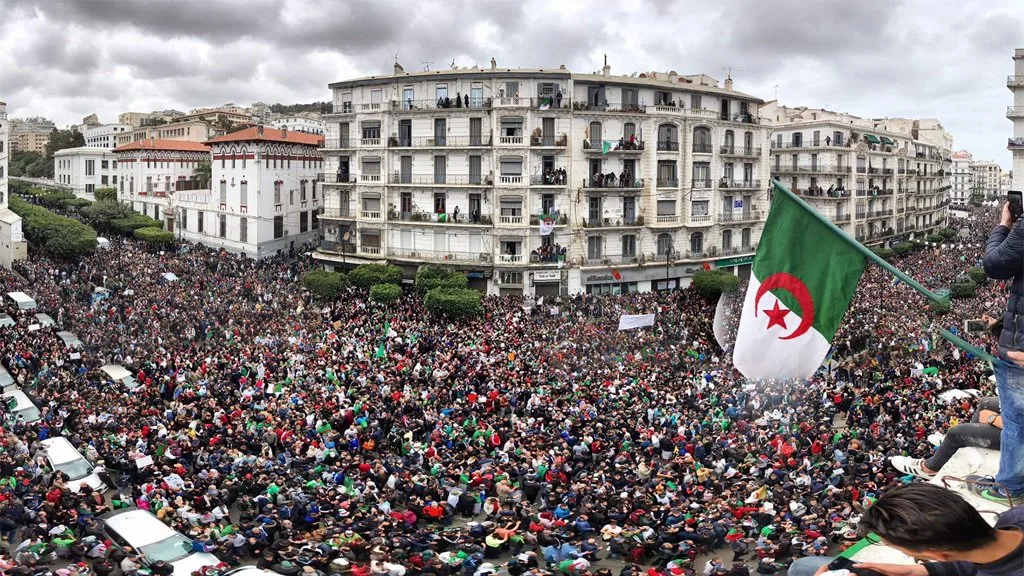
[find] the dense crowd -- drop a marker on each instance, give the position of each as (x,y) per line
(524,441)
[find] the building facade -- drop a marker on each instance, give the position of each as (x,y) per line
(541,182)
(299,124)
(152,172)
(186,131)
(875,179)
(30,134)
(84,169)
(104,135)
(1015,113)
(987,175)
(12,242)
(961,180)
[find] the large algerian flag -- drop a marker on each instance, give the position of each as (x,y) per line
(804,275)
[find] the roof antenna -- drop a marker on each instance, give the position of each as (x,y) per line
(426,65)
(454,67)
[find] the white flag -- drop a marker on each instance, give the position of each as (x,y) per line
(630,321)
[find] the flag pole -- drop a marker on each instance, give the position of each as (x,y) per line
(780,187)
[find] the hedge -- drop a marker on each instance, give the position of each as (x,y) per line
(133,223)
(946,233)
(385,293)
(59,236)
(963,289)
(366,275)
(77,203)
(325,285)
(153,235)
(105,194)
(55,197)
(454,302)
(713,283)
(977,275)
(429,277)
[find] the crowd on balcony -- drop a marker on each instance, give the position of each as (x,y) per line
(303,437)
(833,191)
(555,176)
(553,252)
(610,180)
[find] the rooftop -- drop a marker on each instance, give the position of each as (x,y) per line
(153,144)
(263,133)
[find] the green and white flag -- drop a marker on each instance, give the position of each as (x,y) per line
(803,278)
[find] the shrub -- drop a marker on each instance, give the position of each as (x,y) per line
(102,213)
(429,277)
(977,275)
(105,194)
(55,198)
(154,235)
(454,302)
(947,233)
(129,224)
(366,275)
(58,236)
(77,203)
(903,248)
(940,308)
(325,285)
(713,283)
(385,293)
(963,289)
(933,239)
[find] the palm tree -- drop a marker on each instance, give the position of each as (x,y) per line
(203,172)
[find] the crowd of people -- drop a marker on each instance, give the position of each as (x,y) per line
(518,442)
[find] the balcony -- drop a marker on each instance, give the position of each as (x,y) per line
(371,178)
(511,259)
(1015,81)
(680,111)
(840,218)
(560,141)
(810,169)
(739,217)
(510,220)
(341,213)
(668,183)
(623,107)
(557,179)
(613,185)
(370,214)
(439,255)
(700,220)
(668,146)
(743,117)
(701,183)
(630,222)
(666,220)
(819,192)
(445,142)
(338,143)
(1015,143)
(510,180)
(1015,111)
(336,178)
(370,142)
(370,250)
(442,218)
(739,184)
(740,151)
(440,179)
(703,148)
(874,192)
(510,140)
(512,102)
(621,146)
(811,144)
(337,247)
(467,103)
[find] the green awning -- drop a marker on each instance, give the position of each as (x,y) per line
(873,139)
(888,141)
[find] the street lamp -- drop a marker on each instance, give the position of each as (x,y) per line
(668,264)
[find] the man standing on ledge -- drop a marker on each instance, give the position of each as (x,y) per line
(937,525)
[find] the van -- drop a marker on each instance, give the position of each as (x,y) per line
(63,457)
(149,536)
(69,339)
(44,320)
(120,375)
(21,405)
(22,300)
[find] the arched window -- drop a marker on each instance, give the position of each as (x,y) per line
(668,137)
(628,131)
(748,141)
(745,238)
(697,242)
(664,244)
(702,140)
(730,140)
(595,134)
(726,240)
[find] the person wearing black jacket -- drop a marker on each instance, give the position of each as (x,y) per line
(1004,260)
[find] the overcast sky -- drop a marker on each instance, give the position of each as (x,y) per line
(937,58)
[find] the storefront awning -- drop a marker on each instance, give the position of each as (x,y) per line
(872,138)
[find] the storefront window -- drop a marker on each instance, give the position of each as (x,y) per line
(613,288)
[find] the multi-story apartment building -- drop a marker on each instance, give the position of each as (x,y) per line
(987,175)
(264,196)
(961,180)
(30,134)
(876,179)
(186,131)
(104,135)
(298,123)
(542,182)
(1015,113)
(84,169)
(152,172)
(138,119)
(12,242)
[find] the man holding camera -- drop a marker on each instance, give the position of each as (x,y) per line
(1004,260)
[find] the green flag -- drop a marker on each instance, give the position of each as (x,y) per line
(606,146)
(802,281)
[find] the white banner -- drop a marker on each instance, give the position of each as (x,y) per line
(630,321)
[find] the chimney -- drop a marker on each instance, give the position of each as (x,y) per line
(607,70)
(728,82)
(259,129)
(152,142)
(398,69)
(494,64)
(284,132)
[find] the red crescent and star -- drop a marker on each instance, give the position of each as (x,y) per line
(777,314)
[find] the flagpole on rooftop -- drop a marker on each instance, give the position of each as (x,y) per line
(781,188)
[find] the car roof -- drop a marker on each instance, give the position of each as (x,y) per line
(115,371)
(20,397)
(59,450)
(20,297)
(138,527)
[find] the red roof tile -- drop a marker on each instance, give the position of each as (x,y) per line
(270,135)
(179,145)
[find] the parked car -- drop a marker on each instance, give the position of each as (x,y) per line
(155,540)
(64,457)
(21,405)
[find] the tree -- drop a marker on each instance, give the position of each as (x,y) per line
(713,283)
(58,236)
(366,275)
(325,285)
(903,248)
(103,212)
(105,194)
(154,235)
(385,293)
(963,289)
(203,173)
(454,303)
(977,275)
(429,277)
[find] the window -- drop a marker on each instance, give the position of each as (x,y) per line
(726,240)
(104,180)
(629,246)
(278,226)
(440,203)
(277,193)
(666,208)
(595,134)
(223,226)
(628,131)
(406,203)
(664,244)
(314,219)
(90,167)
(302,190)
(511,166)
(89,188)
(440,169)
(291,197)
(442,92)
(243,230)
(371,130)
(702,140)
(695,102)
(745,238)
(702,173)
(699,207)
(476,95)
(594,247)
(668,137)
(475,175)
(696,242)
(184,219)
(303,222)
(156,212)
(630,98)
(243,193)
(223,191)
(104,164)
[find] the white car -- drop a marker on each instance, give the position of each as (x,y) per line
(120,374)
(155,540)
(21,405)
(63,457)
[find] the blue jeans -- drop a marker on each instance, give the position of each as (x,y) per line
(808,566)
(1010,383)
